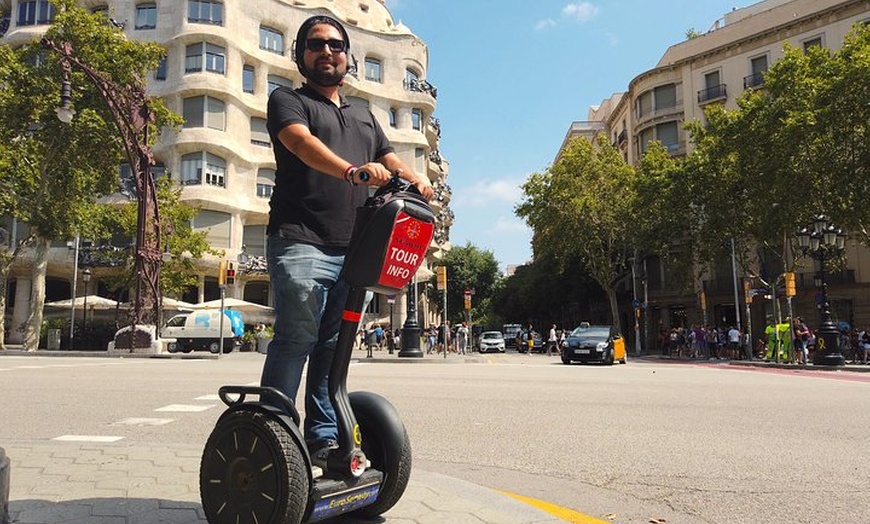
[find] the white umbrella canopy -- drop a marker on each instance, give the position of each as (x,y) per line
(251,312)
(178,305)
(93,302)
(234,303)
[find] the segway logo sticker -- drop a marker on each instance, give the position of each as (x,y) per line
(357,436)
(405,251)
(344,502)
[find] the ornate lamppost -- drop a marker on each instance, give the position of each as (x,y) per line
(411,329)
(824,241)
(132,114)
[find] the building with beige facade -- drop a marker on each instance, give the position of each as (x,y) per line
(224,59)
(715,68)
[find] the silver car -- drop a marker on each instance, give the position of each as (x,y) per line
(491,341)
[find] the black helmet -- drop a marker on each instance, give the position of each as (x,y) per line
(302,34)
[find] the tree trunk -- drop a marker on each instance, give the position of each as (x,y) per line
(33,324)
(614,308)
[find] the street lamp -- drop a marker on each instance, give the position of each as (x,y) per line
(86,277)
(133,115)
(411,330)
(824,241)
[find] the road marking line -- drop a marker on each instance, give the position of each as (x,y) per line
(184,408)
(559,512)
(133,421)
(87,438)
(214,396)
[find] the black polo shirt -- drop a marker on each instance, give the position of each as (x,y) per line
(306,205)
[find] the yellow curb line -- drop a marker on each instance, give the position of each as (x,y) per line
(557,511)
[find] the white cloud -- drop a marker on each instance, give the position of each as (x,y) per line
(486,193)
(545,24)
(581,11)
(510,225)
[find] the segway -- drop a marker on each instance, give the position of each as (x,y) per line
(256,467)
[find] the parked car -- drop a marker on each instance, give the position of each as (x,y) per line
(492,341)
(510,334)
(202,330)
(587,343)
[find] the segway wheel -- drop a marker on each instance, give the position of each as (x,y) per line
(252,471)
(386,444)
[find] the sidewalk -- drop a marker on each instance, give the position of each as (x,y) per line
(857,368)
(88,483)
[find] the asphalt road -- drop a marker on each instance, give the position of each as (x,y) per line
(649,442)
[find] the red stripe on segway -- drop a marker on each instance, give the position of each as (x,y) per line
(351,316)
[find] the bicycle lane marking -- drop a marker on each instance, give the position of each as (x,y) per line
(565,514)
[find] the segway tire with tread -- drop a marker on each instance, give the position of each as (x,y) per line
(252,470)
(386,444)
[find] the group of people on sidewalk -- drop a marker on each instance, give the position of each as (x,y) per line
(442,338)
(791,341)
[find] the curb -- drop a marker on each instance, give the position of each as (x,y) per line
(4,487)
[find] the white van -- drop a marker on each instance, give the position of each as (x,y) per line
(201,330)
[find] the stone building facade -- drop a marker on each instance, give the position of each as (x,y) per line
(224,58)
(715,68)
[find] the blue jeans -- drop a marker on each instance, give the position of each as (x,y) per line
(309,300)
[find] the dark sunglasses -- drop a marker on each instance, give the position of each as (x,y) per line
(315,45)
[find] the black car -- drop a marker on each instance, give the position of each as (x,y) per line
(587,343)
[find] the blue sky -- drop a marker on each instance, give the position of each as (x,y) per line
(513,74)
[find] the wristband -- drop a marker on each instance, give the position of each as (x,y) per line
(348,173)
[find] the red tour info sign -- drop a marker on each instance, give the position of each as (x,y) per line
(406,250)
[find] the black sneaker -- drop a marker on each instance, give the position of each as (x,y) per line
(320,455)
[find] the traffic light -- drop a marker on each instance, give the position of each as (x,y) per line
(790,289)
(222,273)
(231,273)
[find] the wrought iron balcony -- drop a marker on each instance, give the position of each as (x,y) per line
(421,86)
(712,93)
(753,80)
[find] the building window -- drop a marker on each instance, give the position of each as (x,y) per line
(276,81)
(412,80)
(265,182)
(271,40)
(248,79)
(259,132)
(644,139)
(667,133)
(205,12)
(392,117)
(373,70)
(665,97)
(419,159)
(201,167)
(216,226)
(203,55)
(644,104)
(160,72)
(815,41)
(254,239)
(35,12)
(714,89)
(417,119)
(204,111)
(146,16)
(757,67)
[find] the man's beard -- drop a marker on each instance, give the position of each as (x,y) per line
(324,78)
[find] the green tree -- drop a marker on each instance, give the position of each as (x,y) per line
(794,149)
(182,245)
(469,267)
(54,171)
(583,206)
